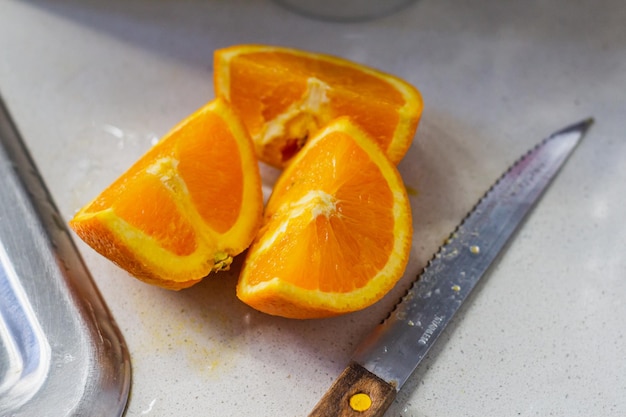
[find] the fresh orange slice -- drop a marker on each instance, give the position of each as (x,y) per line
(185,208)
(285,95)
(337,230)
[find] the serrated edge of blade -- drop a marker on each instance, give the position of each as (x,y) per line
(581,127)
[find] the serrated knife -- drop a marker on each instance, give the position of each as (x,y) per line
(383,362)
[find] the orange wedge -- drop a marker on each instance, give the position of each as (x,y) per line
(185,208)
(337,230)
(285,95)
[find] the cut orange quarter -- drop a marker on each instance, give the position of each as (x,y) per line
(337,230)
(185,208)
(285,95)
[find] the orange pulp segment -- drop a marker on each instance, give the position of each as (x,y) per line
(285,95)
(337,230)
(185,208)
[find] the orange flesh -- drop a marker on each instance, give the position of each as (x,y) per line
(108,197)
(215,183)
(378,117)
(264,84)
(207,175)
(354,240)
(177,235)
(334,74)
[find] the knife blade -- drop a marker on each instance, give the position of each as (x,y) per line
(386,358)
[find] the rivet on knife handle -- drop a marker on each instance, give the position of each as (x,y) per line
(356,393)
(385,359)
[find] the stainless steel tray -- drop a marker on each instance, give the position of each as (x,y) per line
(61,353)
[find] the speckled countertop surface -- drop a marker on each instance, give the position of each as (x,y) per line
(91,85)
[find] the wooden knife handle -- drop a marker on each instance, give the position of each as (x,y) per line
(356,393)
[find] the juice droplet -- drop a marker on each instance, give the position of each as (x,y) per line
(456,288)
(475,249)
